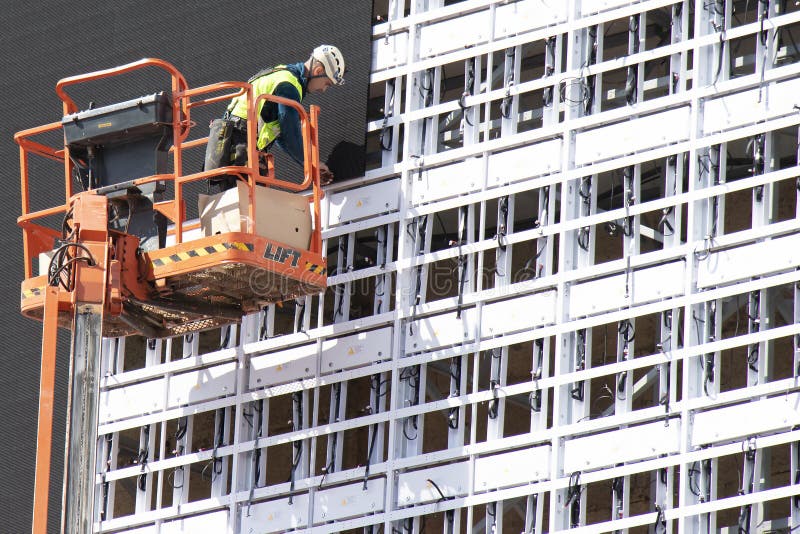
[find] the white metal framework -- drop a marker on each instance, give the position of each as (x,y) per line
(564,297)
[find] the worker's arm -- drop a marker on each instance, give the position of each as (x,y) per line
(291,138)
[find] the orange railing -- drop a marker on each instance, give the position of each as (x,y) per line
(38,238)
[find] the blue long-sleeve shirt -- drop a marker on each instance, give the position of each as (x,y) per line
(291,137)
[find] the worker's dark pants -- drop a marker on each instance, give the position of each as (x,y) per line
(227,145)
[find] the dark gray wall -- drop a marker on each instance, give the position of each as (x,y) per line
(209,40)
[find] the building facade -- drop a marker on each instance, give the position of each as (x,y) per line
(564,296)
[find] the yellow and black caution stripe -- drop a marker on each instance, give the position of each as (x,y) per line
(202,251)
(32,292)
(314,268)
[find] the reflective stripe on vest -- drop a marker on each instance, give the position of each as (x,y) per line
(266,84)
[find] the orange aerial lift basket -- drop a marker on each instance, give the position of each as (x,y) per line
(197,276)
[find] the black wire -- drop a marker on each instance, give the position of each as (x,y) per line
(537,372)
(535,400)
(587,194)
(58,265)
(333,418)
(468,91)
(339,289)
(455,376)
(577,391)
(297,445)
(664,223)
(375,385)
(413,420)
(106,485)
(301,326)
(501,231)
(427,101)
(143,457)
(495,402)
(693,471)
(422,224)
(262,334)
(226,339)
(180,432)
(622,380)
(547,92)
(411,374)
(216,462)
(721,56)
(707,469)
(171,477)
(796,498)
(438,489)
(462,263)
(627,185)
(258,408)
(505,104)
(583,238)
(626,330)
(631,85)
(388,114)
(617,486)
(660,524)
(574,498)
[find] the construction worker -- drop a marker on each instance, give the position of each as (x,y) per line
(277,123)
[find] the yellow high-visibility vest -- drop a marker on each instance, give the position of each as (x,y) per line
(265,84)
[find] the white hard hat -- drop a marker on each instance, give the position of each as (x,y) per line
(332,60)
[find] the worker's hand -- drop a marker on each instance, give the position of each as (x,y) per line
(325,174)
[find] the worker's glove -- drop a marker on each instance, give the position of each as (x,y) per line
(325,174)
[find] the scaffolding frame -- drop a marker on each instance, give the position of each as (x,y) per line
(431,351)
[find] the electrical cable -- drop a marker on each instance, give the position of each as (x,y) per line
(297,445)
(468,91)
(462,259)
(180,433)
(339,289)
(386,130)
(263,331)
(627,181)
(573,500)
(226,339)
(494,404)
(427,100)
(691,474)
(664,224)
(626,330)
(62,263)
(143,457)
(411,375)
(796,498)
(506,103)
(755,326)
(502,227)
(746,510)
(577,391)
(549,69)
(106,469)
(299,325)
(455,381)
(660,525)
(632,78)
(375,387)
(216,463)
(421,223)
(583,238)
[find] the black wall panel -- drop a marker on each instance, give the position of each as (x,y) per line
(207,40)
